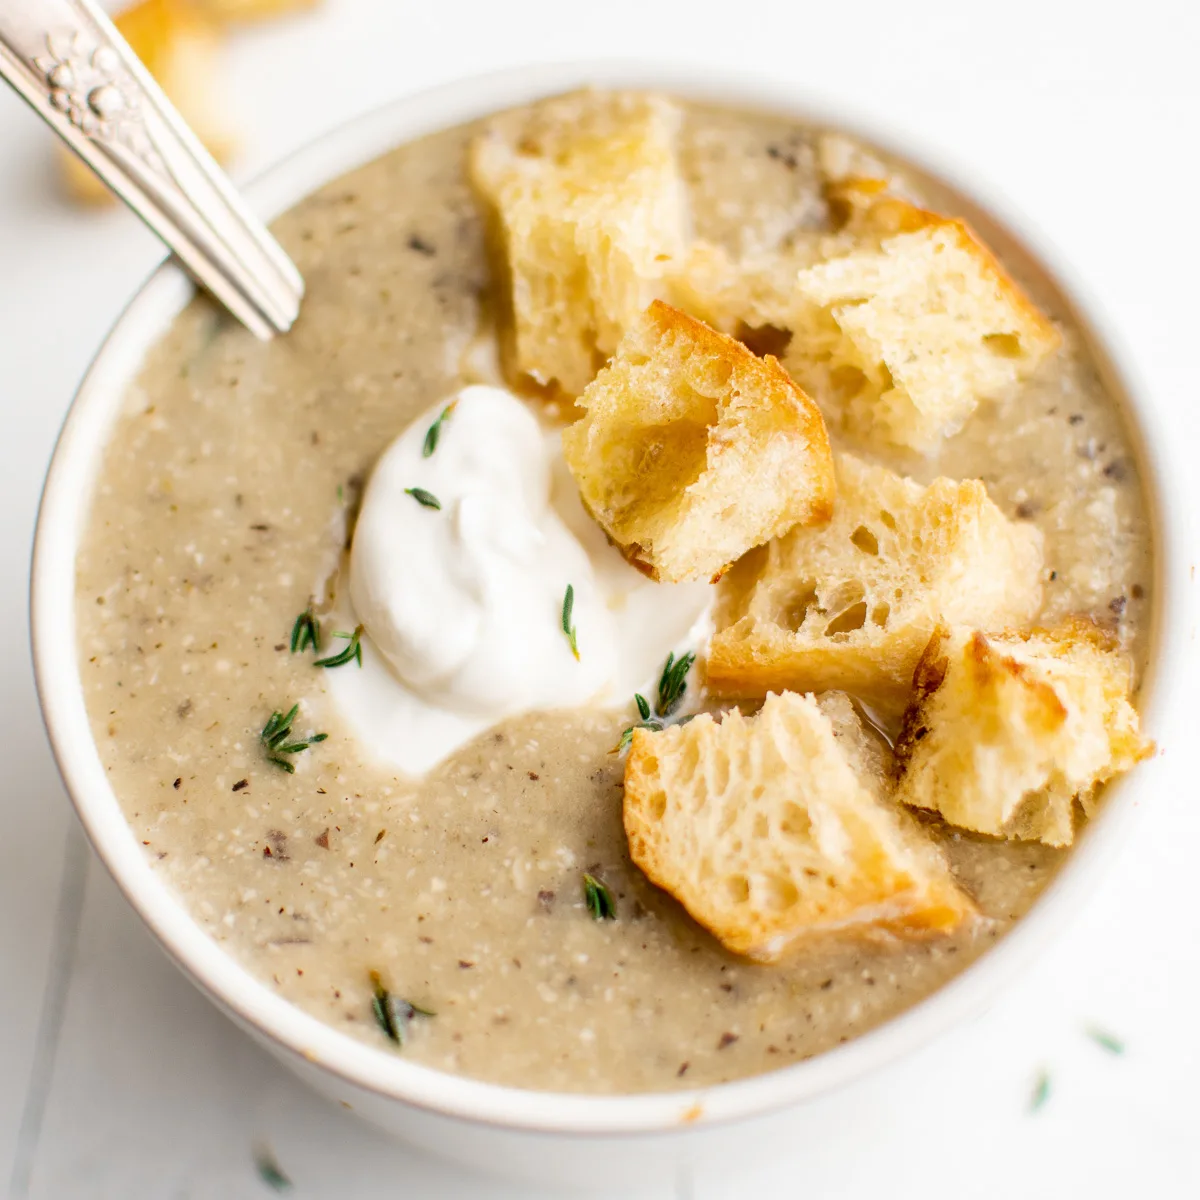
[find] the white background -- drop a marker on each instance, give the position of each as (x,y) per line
(118,1080)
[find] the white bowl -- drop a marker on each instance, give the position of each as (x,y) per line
(572,1139)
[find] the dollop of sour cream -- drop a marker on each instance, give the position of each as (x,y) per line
(459,568)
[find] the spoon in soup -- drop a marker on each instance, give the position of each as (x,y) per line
(76,71)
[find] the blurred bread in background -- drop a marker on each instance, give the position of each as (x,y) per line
(179,41)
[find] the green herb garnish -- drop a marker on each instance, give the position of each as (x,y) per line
(1041,1092)
(306,632)
(422,497)
(393,1014)
(654,725)
(352,651)
(435,431)
(673,682)
(671,686)
(568,607)
(269,1170)
(598,899)
(1106,1040)
(275,735)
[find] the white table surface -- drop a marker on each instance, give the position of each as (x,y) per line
(118,1080)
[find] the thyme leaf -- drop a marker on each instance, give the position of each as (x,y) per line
(275,734)
(422,497)
(392,1014)
(1041,1092)
(352,651)
(1105,1040)
(269,1170)
(673,682)
(435,431)
(306,632)
(568,607)
(599,899)
(654,725)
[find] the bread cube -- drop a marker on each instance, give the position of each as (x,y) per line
(907,332)
(692,449)
(587,214)
(1006,731)
(850,606)
(252,10)
(776,829)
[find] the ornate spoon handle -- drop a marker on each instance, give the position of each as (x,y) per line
(77,72)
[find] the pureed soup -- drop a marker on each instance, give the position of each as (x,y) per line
(223,512)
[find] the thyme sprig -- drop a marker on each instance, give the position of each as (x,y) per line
(599,900)
(269,1170)
(275,739)
(672,684)
(351,651)
(306,632)
(568,607)
(1041,1091)
(1105,1040)
(392,1014)
(654,725)
(422,497)
(435,431)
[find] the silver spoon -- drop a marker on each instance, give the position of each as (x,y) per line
(78,73)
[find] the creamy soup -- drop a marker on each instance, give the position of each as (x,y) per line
(224,505)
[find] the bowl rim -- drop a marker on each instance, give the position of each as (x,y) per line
(62,520)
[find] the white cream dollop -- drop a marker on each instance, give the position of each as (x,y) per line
(462,604)
(465,602)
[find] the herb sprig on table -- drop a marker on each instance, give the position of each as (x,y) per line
(269,1170)
(672,684)
(351,652)
(392,1014)
(276,735)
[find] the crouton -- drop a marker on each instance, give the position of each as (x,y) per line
(178,45)
(747,299)
(587,214)
(851,606)
(909,331)
(252,10)
(693,450)
(1006,731)
(775,829)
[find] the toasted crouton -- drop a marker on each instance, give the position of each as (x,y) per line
(178,45)
(252,10)
(850,606)
(743,297)
(587,209)
(909,331)
(693,450)
(1006,731)
(774,829)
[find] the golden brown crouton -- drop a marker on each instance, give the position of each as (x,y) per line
(850,606)
(908,331)
(587,213)
(1006,731)
(693,450)
(774,829)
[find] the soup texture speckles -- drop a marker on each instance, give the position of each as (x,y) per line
(222,511)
